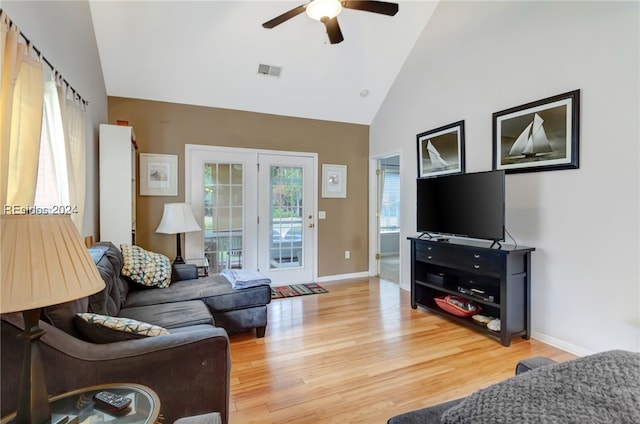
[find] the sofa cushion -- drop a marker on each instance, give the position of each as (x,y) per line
(104,329)
(171,315)
(144,267)
(215,290)
(109,300)
(61,316)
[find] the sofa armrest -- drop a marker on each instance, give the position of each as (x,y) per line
(196,359)
(181,272)
(533,363)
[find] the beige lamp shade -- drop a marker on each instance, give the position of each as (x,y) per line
(44,262)
(177,218)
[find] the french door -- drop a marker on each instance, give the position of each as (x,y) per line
(286,218)
(256,208)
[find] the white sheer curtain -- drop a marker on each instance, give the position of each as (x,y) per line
(74,122)
(53,181)
(21,98)
(61,173)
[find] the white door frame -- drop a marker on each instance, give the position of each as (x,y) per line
(194,242)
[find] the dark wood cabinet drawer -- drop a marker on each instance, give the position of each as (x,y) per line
(480,262)
(476,261)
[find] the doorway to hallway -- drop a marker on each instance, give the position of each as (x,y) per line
(388,214)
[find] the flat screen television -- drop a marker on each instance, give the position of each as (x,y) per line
(466,205)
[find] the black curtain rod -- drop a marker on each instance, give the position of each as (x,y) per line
(39,53)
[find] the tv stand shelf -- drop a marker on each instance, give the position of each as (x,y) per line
(499,277)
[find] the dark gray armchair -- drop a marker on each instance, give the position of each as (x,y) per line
(189,369)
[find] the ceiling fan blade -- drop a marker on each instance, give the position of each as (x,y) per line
(285,16)
(382,7)
(333,30)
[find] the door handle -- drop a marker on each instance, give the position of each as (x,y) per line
(310,225)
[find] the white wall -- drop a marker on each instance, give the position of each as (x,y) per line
(63,32)
(476,58)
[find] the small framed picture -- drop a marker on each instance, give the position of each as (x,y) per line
(334,181)
(539,136)
(158,175)
(441,151)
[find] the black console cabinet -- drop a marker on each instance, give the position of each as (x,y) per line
(497,279)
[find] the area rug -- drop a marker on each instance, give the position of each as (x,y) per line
(292,290)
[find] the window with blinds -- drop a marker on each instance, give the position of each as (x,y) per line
(390,205)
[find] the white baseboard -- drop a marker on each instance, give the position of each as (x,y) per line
(326,278)
(561,344)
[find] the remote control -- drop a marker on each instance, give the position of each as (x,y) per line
(111,400)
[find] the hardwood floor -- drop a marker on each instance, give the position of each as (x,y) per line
(361,354)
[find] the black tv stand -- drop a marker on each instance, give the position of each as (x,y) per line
(496,243)
(496,279)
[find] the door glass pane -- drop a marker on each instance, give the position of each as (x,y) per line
(286,217)
(223,212)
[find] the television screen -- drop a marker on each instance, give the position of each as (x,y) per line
(469,205)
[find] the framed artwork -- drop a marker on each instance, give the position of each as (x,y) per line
(334,180)
(441,151)
(539,136)
(158,175)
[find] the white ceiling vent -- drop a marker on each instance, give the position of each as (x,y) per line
(270,70)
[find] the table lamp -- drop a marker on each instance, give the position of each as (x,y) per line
(177,219)
(44,263)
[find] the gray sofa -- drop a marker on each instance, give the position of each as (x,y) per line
(189,368)
(602,388)
(189,300)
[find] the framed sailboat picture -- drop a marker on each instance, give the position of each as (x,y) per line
(441,151)
(539,136)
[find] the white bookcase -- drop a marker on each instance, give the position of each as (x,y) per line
(117,185)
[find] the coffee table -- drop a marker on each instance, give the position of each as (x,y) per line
(77,406)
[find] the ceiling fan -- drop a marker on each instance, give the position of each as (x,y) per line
(327,11)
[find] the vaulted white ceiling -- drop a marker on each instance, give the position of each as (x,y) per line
(207,53)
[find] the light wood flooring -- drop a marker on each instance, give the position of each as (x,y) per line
(361,354)
(390,268)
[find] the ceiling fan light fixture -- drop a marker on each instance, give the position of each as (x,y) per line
(319,9)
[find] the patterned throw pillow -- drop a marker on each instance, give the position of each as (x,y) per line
(104,329)
(144,267)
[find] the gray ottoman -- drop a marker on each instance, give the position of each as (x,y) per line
(238,310)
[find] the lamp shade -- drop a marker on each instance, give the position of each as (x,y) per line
(44,262)
(177,218)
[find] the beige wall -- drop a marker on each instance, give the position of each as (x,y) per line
(166,128)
